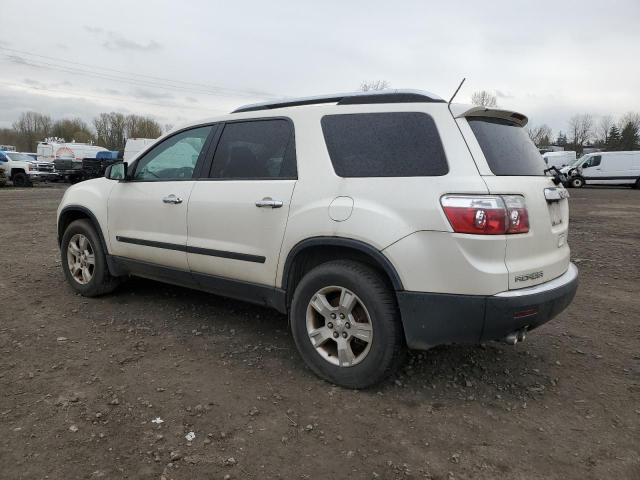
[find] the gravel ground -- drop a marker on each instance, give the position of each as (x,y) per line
(111,387)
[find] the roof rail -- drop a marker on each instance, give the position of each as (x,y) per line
(353,98)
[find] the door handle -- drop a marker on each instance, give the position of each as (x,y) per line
(269,202)
(172,199)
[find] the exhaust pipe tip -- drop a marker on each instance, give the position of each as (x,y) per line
(511,338)
(516,337)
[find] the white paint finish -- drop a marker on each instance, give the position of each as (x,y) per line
(92,195)
(136,210)
(442,262)
(341,209)
(400,216)
(223,216)
(385,209)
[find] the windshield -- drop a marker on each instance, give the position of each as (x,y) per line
(19,157)
(507,147)
(578,161)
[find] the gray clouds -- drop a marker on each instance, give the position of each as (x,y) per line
(546,59)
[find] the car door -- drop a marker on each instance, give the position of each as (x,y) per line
(147,213)
(237,217)
(591,169)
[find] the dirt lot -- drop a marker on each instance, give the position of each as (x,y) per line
(81,380)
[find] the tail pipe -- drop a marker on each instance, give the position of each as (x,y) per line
(515,337)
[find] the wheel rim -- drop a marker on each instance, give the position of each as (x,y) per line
(339,326)
(81,259)
(577,182)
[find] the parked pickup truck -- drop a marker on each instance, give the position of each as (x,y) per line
(22,170)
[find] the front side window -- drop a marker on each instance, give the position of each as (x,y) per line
(396,144)
(257,149)
(592,161)
(175,158)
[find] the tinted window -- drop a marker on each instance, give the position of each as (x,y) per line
(173,159)
(384,145)
(592,161)
(507,147)
(256,149)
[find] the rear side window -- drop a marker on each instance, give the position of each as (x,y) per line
(257,149)
(507,147)
(398,144)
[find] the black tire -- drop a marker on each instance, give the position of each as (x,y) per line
(21,179)
(101,281)
(387,347)
(637,184)
(576,182)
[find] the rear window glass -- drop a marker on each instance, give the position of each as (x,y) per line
(507,147)
(398,144)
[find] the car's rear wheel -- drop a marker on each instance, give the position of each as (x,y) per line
(21,180)
(346,325)
(637,184)
(84,260)
(577,182)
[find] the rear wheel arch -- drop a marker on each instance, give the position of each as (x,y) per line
(310,253)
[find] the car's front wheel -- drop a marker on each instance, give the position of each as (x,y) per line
(21,180)
(346,324)
(577,182)
(84,260)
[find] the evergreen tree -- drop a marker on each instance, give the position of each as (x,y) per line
(629,138)
(613,140)
(561,140)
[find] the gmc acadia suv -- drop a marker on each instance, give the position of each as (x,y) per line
(376,221)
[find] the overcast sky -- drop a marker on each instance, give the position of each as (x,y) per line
(180,61)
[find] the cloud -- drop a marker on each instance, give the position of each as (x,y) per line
(501,94)
(148,94)
(33,82)
(92,29)
(117,42)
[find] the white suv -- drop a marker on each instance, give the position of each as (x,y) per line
(376,221)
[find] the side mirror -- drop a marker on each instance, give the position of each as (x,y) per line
(116,171)
(585,165)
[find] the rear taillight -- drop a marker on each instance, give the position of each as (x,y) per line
(486,214)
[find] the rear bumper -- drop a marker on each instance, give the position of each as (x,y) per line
(431,319)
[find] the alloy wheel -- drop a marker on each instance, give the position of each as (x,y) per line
(339,326)
(81,259)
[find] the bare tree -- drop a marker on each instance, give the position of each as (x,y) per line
(31,128)
(110,130)
(581,130)
(484,99)
(630,117)
(142,127)
(374,85)
(602,130)
(540,135)
(72,130)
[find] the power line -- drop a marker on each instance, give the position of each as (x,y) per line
(86,73)
(175,84)
(110,98)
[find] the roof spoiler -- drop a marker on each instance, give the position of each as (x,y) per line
(460,111)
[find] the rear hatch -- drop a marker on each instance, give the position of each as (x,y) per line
(510,164)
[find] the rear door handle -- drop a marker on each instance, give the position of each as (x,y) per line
(269,202)
(172,199)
